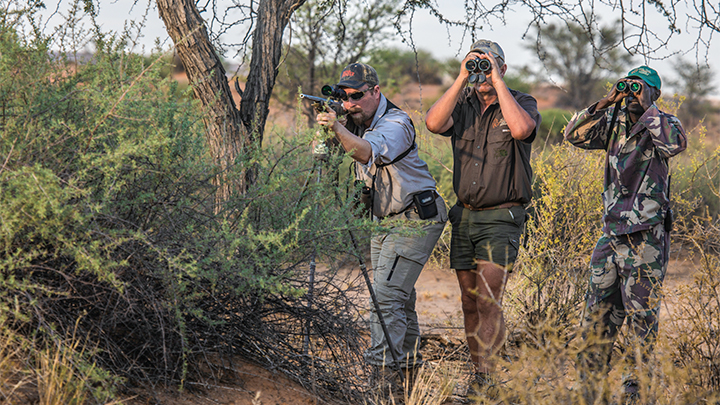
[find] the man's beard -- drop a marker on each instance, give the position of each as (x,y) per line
(359,117)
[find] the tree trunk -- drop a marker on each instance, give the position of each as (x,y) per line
(226,138)
(272,18)
(229,131)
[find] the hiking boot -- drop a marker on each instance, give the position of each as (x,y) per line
(386,385)
(483,385)
(631,393)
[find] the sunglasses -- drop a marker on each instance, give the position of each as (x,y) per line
(358,94)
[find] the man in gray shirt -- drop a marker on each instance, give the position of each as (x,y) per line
(381,139)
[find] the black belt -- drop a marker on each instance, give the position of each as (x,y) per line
(496,207)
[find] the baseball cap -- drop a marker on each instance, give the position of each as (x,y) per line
(649,75)
(486,46)
(356,74)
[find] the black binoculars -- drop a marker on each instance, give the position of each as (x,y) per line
(477,68)
(478,65)
(334,92)
(623,86)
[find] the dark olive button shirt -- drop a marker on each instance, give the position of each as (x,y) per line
(490,166)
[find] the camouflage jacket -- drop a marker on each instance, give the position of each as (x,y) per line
(636,165)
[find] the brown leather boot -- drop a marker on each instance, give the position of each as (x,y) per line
(483,385)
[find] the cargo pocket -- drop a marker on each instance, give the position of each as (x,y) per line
(454,215)
(406,267)
(514,243)
(513,247)
(518,215)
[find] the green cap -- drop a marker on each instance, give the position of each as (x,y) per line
(647,74)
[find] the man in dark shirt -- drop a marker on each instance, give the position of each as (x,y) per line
(491,128)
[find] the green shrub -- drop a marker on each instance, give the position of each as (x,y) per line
(694,187)
(108,225)
(552,126)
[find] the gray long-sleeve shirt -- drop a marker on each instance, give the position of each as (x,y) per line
(390,134)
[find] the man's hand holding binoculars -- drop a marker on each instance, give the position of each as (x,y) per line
(633,89)
(479,67)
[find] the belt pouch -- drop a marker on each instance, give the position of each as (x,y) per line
(425,204)
(668,224)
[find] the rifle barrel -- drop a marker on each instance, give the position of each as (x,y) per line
(313,98)
(335,105)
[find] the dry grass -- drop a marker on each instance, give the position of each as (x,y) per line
(13,379)
(57,380)
(434,383)
(53,375)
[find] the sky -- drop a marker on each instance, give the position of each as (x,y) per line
(428,34)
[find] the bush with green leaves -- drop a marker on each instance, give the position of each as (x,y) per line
(109,228)
(564,221)
(552,126)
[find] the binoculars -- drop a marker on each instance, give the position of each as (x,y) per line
(477,68)
(623,86)
(334,92)
(478,65)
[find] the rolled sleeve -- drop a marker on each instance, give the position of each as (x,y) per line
(529,104)
(395,128)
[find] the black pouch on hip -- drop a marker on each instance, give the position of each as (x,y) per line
(363,198)
(668,224)
(425,204)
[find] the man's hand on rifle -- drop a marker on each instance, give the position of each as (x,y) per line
(360,149)
(329,120)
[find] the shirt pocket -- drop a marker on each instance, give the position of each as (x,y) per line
(499,145)
(465,142)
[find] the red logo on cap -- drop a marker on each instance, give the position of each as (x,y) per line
(348,73)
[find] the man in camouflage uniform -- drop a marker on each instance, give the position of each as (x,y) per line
(629,261)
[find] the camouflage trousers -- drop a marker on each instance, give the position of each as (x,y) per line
(627,272)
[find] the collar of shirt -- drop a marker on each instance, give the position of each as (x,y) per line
(382,105)
(643,121)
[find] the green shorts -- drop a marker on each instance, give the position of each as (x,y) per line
(490,235)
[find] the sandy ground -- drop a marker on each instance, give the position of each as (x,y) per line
(438,306)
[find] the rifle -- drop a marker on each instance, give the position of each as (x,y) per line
(320,104)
